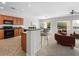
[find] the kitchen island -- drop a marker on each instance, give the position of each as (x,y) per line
(33,42)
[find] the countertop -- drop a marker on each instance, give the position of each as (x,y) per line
(32,29)
(12,28)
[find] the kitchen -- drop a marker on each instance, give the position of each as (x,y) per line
(15,27)
(8,30)
(10,27)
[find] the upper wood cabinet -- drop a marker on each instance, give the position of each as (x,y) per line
(1,20)
(21,21)
(15,21)
(18,21)
(8,17)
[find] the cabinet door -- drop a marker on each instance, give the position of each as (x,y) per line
(1,20)
(20,31)
(16,32)
(15,21)
(8,17)
(23,41)
(21,21)
(18,21)
(1,34)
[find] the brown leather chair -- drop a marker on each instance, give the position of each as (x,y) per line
(65,40)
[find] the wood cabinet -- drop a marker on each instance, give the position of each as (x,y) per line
(15,21)
(18,21)
(18,31)
(23,41)
(8,17)
(1,34)
(1,20)
(21,21)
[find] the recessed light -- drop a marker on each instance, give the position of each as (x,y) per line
(29,5)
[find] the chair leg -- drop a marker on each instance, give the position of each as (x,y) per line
(46,38)
(41,41)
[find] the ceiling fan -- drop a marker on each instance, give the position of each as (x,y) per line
(74,12)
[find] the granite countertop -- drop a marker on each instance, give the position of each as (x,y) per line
(32,29)
(12,28)
(17,27)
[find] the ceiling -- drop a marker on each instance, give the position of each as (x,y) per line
(39,9)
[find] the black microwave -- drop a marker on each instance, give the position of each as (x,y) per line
(8,22)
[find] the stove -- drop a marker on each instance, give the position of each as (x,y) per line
(8,31)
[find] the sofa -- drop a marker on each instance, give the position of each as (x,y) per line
(63,32)
(76,35)
(65,40)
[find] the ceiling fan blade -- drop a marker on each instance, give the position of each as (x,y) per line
(74,12)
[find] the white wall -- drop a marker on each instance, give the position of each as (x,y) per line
(64,18)
(27,20)
(68,19)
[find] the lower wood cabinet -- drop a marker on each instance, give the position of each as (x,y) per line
(23,41)
(18,31)
(1,34)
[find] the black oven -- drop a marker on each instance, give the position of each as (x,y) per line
(8,22)
(8,31)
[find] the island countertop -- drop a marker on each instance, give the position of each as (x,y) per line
(32,29)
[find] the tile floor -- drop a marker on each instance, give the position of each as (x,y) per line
(11,47)
(54,49)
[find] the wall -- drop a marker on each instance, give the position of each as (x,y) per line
(68,19)
(10,13)
(29,20)
(64,18)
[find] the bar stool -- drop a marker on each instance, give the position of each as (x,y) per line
(45,35)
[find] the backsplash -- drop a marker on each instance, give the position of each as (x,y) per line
(1,26)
